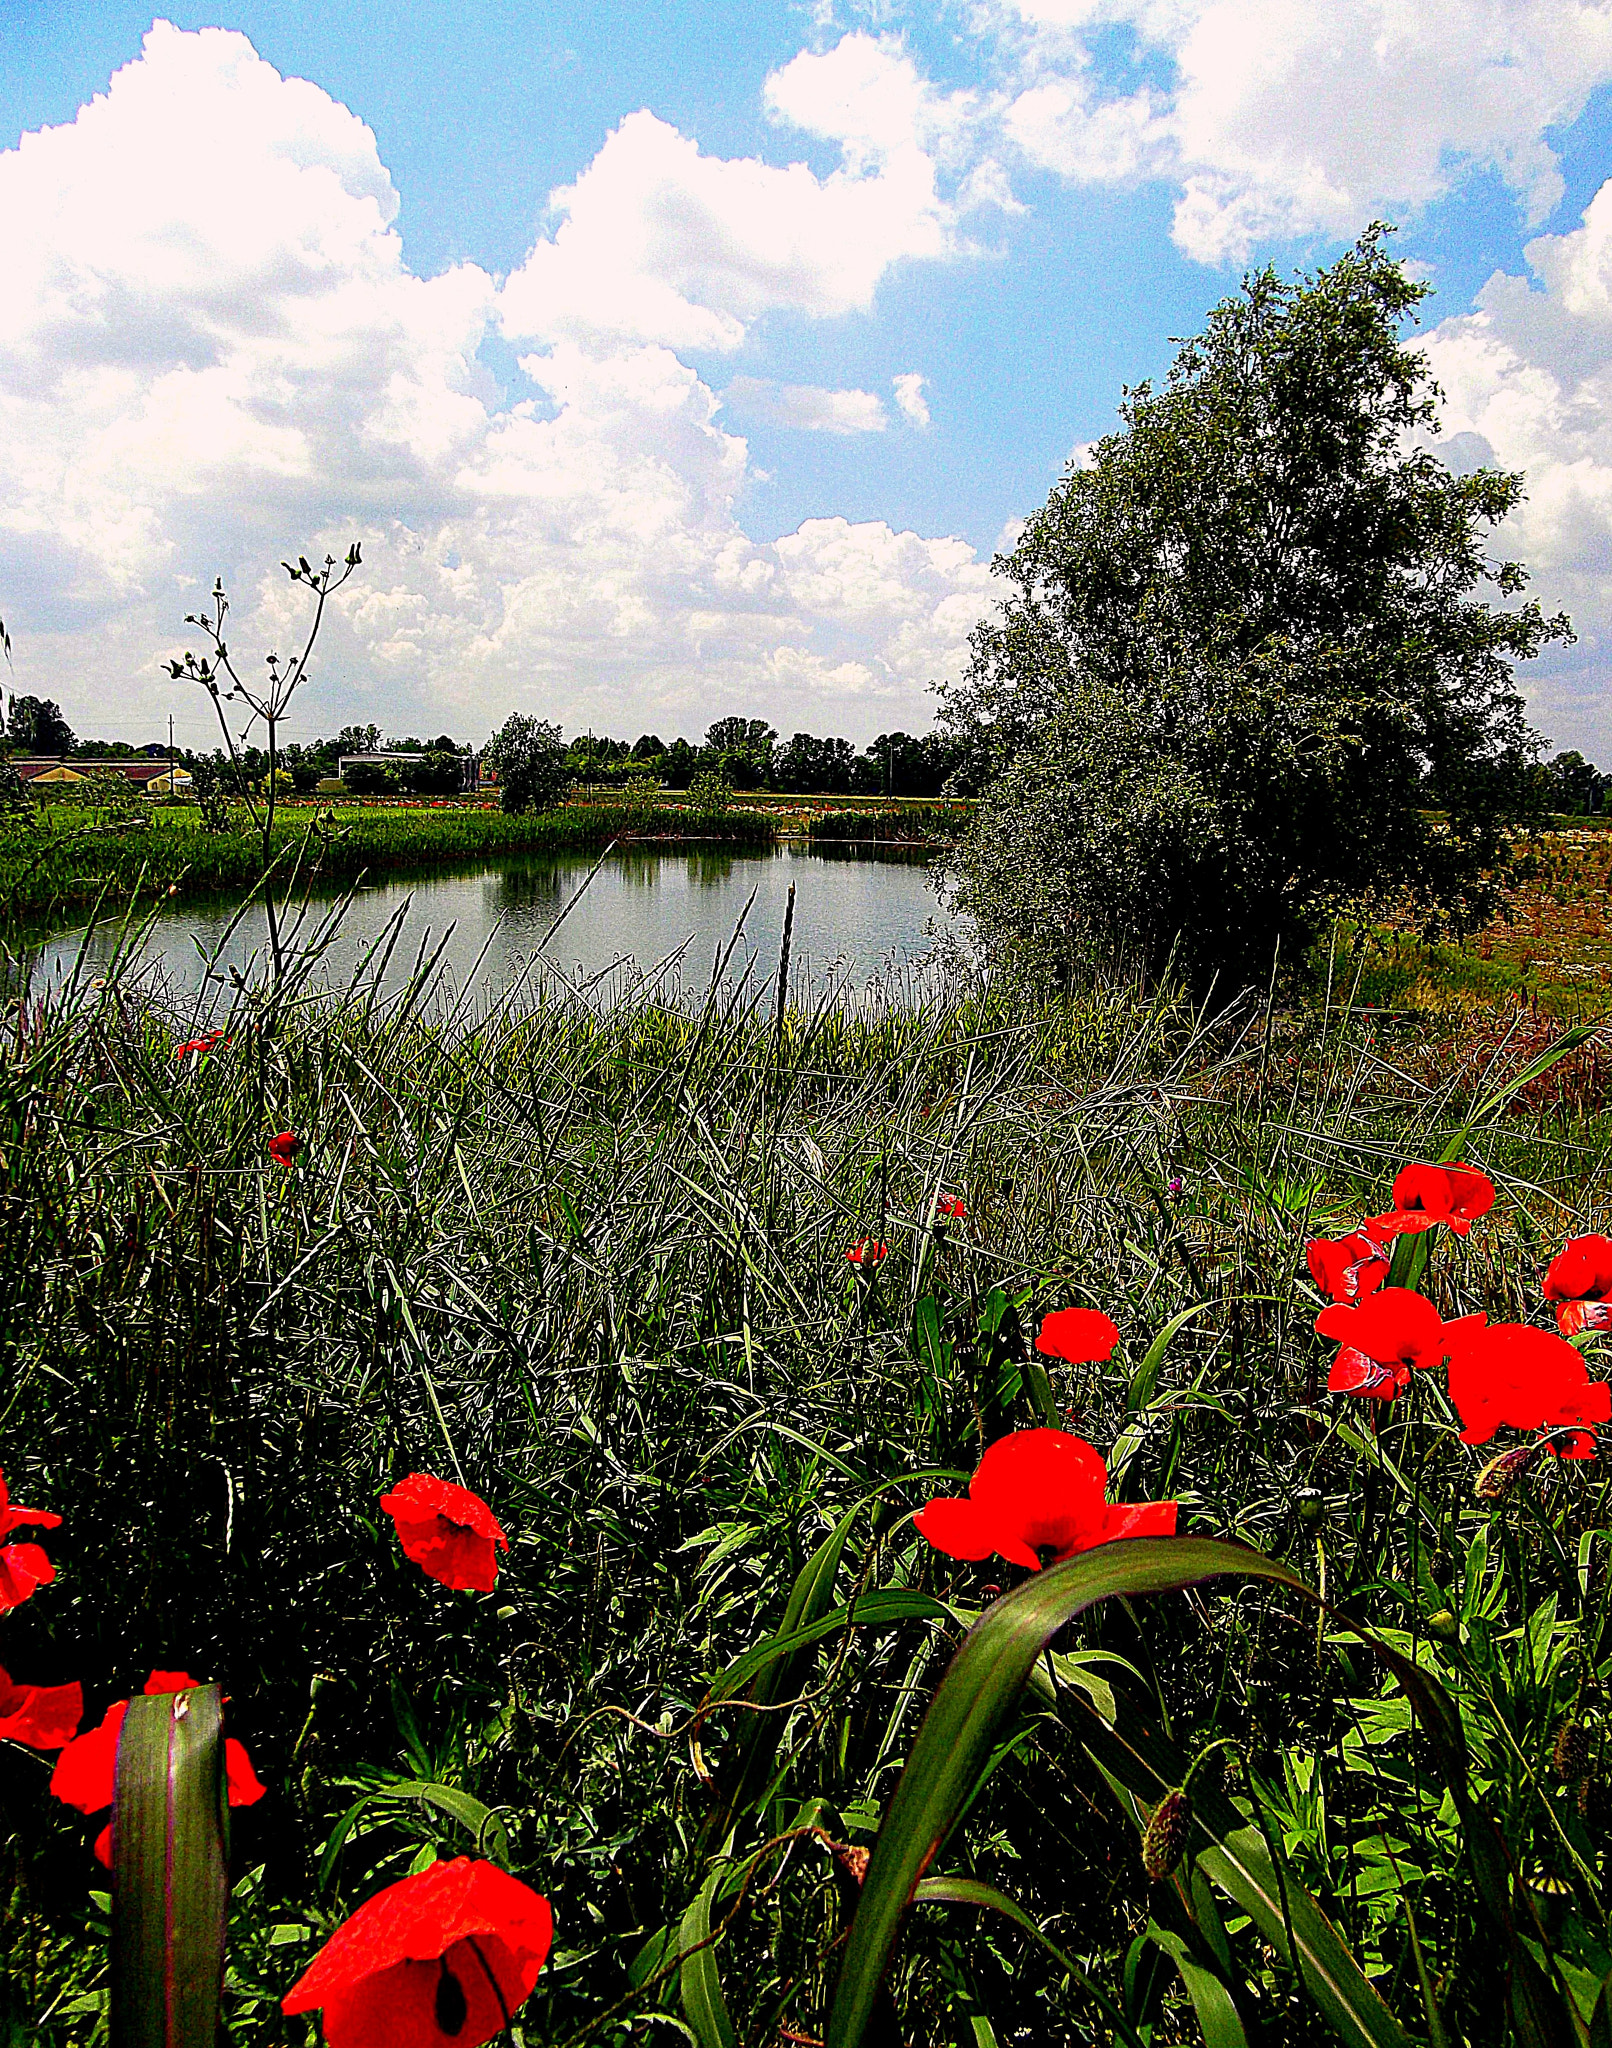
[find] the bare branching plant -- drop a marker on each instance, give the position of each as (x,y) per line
(266,703)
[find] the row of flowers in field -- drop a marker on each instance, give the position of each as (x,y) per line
(451,1952)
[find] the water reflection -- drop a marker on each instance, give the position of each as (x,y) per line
(675,909)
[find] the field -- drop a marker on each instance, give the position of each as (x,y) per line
(62,859)
(595,1268)
(1550,948)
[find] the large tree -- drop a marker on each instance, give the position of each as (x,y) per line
(1256,663)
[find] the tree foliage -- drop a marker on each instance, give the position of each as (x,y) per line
(529,757)
(1256,665)
(36,726)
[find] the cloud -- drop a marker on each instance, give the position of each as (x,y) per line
(1528,385)
(910,400)
(659,242)
(1279,118)
(200,371)
(807,406)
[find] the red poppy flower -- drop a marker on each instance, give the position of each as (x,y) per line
(1077,1335)
(1512,1374)
(1039,1489)
(84,1770)
(1347,1268)
(1579,1281)
(448,1955)
(24,1567)
(42,1716)
(205,1043)
(285,1147)
(446,1531)
(1381,1339)
(954,1207)
(1425,1195)
(868,1253)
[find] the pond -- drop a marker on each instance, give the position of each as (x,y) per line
(664,914)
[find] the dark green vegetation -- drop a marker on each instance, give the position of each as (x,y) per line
(1249,647)
(596,1268)
(54,858)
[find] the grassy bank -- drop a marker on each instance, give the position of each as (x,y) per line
(596,1268)
(901,824)
(60,859)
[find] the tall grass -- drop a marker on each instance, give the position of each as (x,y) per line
(60,858)
(594,1266)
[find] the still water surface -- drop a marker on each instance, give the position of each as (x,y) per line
(855,919)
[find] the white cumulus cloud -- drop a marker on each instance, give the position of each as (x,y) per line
(212,349)
(1277,118)
(1528,383)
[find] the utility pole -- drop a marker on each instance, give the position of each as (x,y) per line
(172,789)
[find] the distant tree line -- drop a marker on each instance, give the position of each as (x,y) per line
(749,754)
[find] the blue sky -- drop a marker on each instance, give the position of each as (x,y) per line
(716,497)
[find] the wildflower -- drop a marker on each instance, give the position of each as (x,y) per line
(205,1043)
(1347,1268)
(447,1955)
(1579,1281)
(447,1531)
(1079,1336)
(1512,1374)
(42,1716)
(868,1253)
(84,1770)
(24,1567)
(953,1207)
(285,1147)
(1176,1185)
(1425,1195)
(1039,1489)
(1380,1340)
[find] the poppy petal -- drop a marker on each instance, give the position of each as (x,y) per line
(1079,1336)
(41,1716)
(956,1527)
(24,1568)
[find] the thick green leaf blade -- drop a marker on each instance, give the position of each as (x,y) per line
(1217,2012)
(170,1871)
(873,1610)
(703,2004)
(980,1687)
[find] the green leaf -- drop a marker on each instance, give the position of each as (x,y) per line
(703,2004)
(968,1891)
(1211,2001)
(873,1610)
(170,1871)
(1146,1377)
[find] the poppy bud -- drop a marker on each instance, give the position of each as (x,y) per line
(1312,1508)
(1444,1625)
(1570,1754)
(1164,1841)
(1441,1568)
